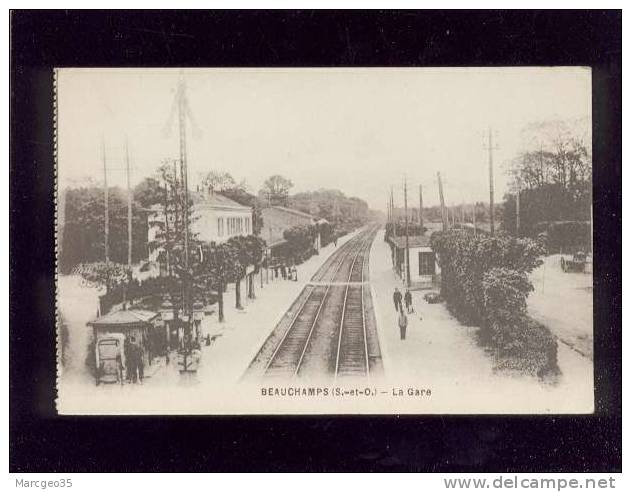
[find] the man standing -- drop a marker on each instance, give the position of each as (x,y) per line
(140,363)
(403,324)
(132,368)
(128,356)
(396,297)
(408,301)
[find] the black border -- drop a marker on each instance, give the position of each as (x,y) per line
(41,441)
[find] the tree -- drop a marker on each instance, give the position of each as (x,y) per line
(300,241)
(83,240)
(170,223)
(102,275)
(216,269)
(255,250)
(239,266)
(276,189)
(553,175)
(149,192)
(218,181)
(344,213)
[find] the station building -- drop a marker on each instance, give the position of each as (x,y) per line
(424,267)
(216,219)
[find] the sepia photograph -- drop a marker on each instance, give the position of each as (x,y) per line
(306,241)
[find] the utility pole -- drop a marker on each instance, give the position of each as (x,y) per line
(166,226)
(107,207)
(183,165)
(176,200)
(420,207)
(394,218)
(517,213)
(407,238)
(269,255)
(129,205)
(491,186)
(442,203)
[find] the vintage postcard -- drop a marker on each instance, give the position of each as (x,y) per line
(324,241)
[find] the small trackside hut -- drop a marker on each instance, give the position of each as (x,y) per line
(424,267)
(111,331)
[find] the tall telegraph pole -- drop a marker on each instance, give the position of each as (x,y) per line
(183,165)
(407,238)
(491,186)
(129,204)
(107,207)
(394,217)
(442,202)
(420,207)
(517,224)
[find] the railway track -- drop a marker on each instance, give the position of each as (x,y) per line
(326,334)
(352,347)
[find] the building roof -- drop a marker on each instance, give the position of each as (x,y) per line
(125,317)
(292,211)
(414,241)
(216,200)
(277,219)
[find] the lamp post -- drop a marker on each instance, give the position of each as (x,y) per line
(198,316)
(167,317)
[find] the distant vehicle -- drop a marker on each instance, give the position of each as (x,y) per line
(432,298)
(574,264)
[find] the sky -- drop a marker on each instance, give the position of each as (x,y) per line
(357,130)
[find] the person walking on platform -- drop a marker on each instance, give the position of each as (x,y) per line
(408,301)
(283,271)
(396,297)
(403,324)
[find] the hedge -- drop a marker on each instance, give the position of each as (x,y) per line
(485,283)
(566,236)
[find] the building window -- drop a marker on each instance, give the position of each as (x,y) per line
(426,263)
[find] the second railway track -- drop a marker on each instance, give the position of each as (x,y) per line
(326,333)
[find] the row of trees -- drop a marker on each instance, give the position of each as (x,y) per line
(83,231)
(344,213)
(553,176)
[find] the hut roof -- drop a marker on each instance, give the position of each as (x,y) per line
(125,317)
(414,241)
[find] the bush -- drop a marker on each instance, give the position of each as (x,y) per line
(485,283)
(300,242)
(525,346)
(569,236)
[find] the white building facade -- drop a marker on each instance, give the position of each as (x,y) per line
(215,218)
